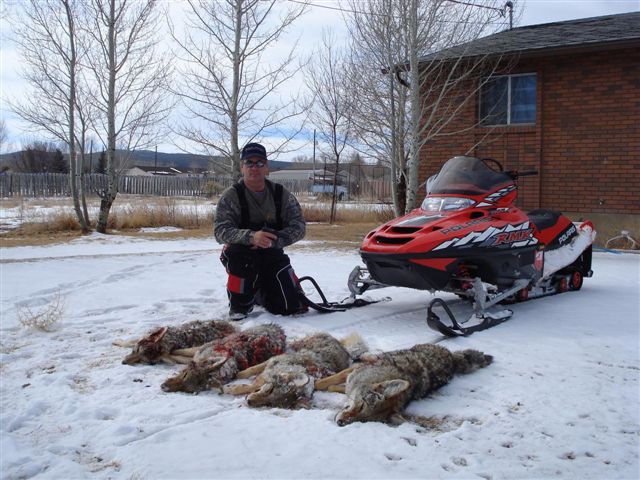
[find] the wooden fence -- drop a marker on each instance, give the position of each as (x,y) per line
(57,185)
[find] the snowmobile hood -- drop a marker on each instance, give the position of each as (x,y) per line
(420,233)
(468,205)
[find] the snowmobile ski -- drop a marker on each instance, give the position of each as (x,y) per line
(328,307)
(451,327)
(483,301)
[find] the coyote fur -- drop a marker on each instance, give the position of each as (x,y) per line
(166,344)
(380,388)
(218,362)
(287,381)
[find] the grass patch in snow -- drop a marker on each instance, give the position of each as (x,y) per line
(46,221)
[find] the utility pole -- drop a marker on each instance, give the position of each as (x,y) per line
(314,156)
(324,175)
(155,162)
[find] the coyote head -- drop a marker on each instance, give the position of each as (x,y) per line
(147,350)
(197,377)
(284,390)
(374,402)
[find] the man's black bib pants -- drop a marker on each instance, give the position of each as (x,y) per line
(261,275)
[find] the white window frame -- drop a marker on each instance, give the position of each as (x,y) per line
(509,77)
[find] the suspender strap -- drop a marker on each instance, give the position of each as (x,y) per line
(244,205)
(277,198)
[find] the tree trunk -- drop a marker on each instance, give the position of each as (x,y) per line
(74,179)
(394,147)
(110,195)
(413,166)
(73,161)
(334,207)
(233,113)
(83,196)
(103,217)
(402,195)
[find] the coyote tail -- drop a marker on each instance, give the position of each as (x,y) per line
(466,361)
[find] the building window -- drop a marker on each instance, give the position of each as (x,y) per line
(508,100)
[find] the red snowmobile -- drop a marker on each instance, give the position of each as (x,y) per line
(470,239)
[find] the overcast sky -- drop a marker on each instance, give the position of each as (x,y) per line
(309,29)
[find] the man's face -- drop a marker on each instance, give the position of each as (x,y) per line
(254,169)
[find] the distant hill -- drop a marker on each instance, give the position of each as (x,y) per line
(177,160)
(148,158)
(187,160)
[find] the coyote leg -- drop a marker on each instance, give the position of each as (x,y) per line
(185,352)
(340,377)
(166,358)
(251,371)
(124,343)
(181,359)
(337,388)
(242,389)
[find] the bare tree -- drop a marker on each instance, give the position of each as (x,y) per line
(403,34)
(4,134)
(380,102)
(87,115)
(440,87)
(229,90)
(48,38)
(326,79)
(301,159)
(131,78)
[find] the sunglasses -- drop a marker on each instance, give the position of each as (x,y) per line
(258,164)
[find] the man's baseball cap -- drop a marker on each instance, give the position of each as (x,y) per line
(253,150)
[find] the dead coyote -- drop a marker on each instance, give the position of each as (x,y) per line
(218,362)
(166,343)
(380,388)
(287,381)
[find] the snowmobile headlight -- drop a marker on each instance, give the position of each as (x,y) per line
(446,204)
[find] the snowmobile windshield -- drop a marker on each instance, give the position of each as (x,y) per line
(466,176)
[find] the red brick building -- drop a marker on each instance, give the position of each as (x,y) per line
(569,106)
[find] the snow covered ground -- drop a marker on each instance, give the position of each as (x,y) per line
(560,401)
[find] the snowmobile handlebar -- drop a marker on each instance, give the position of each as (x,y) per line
(515,174)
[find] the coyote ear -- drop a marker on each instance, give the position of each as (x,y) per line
(217,363)
(156,336)
(265,389)
(301,380)
(392,388)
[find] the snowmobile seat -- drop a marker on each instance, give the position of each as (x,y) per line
(542,218)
